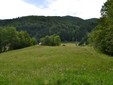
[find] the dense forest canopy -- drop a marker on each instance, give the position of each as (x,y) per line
(68,28)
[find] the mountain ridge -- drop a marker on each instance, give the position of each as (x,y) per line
(68,27)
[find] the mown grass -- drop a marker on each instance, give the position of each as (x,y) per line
(63,65)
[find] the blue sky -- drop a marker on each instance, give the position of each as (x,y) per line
(79,8)
(42,3)
(38,2)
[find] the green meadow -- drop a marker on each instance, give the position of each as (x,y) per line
(59,65)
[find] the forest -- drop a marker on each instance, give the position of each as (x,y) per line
(67,27)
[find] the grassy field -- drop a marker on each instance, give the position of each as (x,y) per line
(63,65)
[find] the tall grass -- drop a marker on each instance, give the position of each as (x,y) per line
(60,65)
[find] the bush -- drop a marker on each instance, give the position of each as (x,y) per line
(53,40)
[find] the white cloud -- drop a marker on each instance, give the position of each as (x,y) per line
(80,8)
(16,8)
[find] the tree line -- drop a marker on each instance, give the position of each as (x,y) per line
(10,39)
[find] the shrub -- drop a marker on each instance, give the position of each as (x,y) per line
(53,40)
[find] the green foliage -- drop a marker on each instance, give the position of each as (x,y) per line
(7,38)
(67,27)
(57,40)
(24,39)
(102,36)
(53,40)
(33,41)
(11,39)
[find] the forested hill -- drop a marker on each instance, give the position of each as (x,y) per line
(69,28)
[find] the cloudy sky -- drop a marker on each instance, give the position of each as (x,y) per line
(80,8)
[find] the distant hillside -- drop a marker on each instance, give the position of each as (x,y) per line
(69,28)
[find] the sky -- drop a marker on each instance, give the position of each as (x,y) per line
(79,8)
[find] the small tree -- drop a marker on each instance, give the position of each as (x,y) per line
(33,41)
(57,40)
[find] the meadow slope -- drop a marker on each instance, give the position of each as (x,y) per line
(60,65)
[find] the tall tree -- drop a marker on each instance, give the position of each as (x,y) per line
(102,36)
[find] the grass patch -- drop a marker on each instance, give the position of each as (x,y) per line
(63,65)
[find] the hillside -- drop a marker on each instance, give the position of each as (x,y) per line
(63,65)
(69,28)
